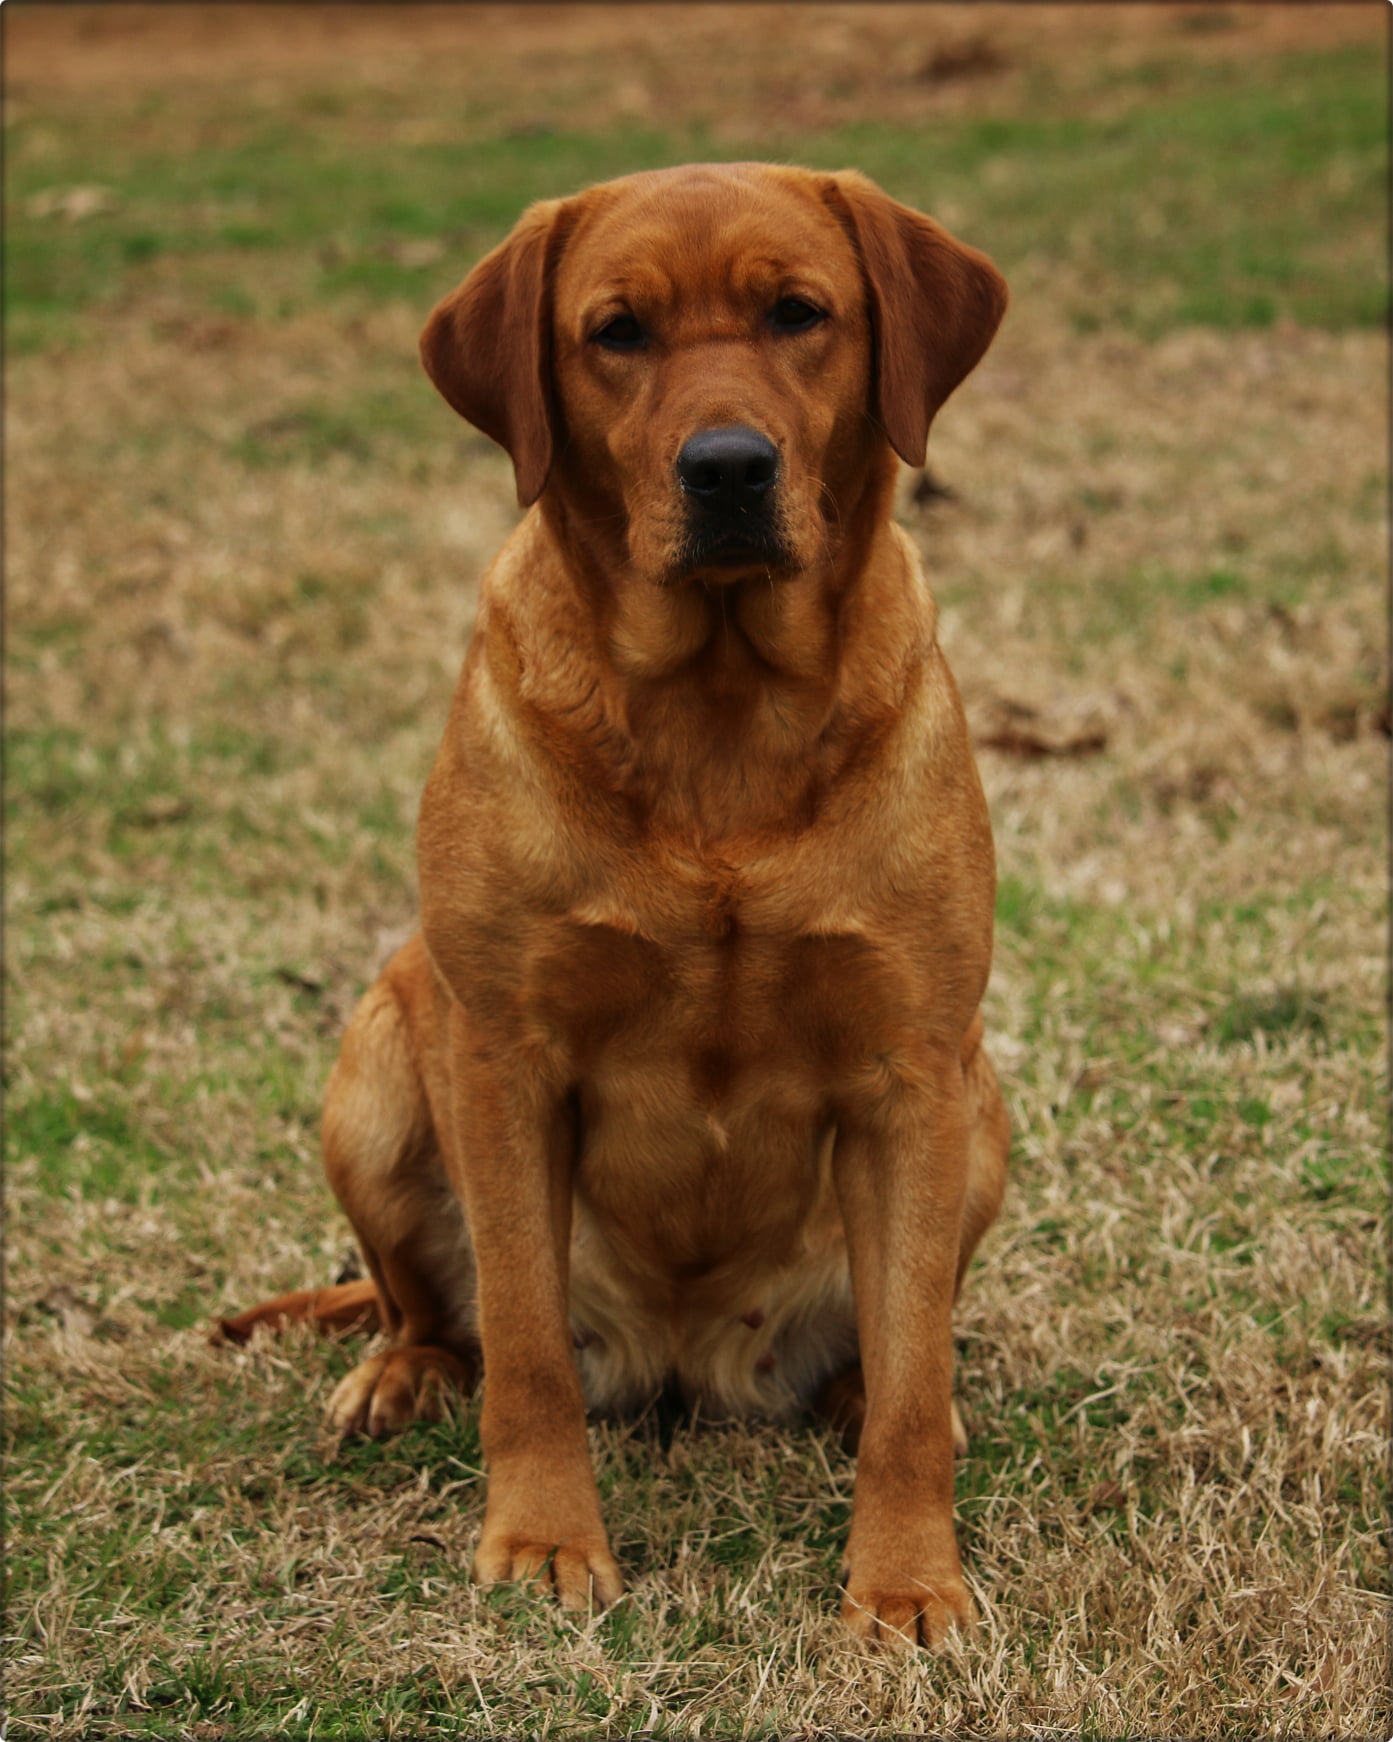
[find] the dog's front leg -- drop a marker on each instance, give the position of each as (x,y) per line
(516,1156)
(900,1165)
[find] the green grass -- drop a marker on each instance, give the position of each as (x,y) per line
(1289,1011)
(1229,201)
(1229,198)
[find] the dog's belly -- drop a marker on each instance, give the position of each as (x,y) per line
(707,1246)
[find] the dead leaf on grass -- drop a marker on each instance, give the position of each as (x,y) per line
(1107,1496)
(1332,1666)
(1072,727)
(1368,1333)
(77,1316)
(301,982)
(160,636)
(89,200)
(419,251)
(1196,783)
(1349,716)
(970,58)
(64,1303)
(1343,710)
(128,1054)
(155,812)
(927,489)
(199,334)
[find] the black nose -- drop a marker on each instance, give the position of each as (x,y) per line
(728,468)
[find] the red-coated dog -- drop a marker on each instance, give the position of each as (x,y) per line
(683,1077)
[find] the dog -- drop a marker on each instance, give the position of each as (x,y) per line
(682,1080)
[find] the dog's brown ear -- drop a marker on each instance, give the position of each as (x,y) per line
(935,304)
(487,346)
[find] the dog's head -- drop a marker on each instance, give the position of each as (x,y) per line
(710,364)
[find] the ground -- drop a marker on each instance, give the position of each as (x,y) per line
(243,543)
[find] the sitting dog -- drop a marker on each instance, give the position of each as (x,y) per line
(682,1080)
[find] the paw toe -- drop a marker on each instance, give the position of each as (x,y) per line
(388,1392)
(352,1397)
(581,1571)
(918,1613)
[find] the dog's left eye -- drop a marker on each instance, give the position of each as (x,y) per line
(792,315)
(622,333)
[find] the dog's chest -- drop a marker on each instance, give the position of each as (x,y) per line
(705,1021)
(703,977)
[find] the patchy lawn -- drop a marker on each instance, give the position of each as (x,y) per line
(243,542)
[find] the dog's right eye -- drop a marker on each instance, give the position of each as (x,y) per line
(622,333)
(793,315)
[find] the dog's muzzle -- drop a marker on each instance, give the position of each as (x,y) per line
(727,478)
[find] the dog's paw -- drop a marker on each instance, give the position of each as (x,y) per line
(916,1611)
(579,1568)
(388,1392)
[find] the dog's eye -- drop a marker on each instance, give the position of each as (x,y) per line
(792,315)
(622,333)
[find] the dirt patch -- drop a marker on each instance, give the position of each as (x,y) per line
(809,65)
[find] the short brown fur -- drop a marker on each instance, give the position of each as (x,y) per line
(683,1077)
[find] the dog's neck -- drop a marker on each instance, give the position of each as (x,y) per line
(723,711)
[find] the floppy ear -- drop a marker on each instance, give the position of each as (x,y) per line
(935,304)
(487,346)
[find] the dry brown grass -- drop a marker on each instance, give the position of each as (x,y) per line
(225,681)
(823,64)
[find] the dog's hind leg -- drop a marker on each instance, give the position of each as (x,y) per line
(383,1160)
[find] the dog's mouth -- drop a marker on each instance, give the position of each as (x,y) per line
(728,553)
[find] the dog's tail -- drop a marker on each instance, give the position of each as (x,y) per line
(347,1306)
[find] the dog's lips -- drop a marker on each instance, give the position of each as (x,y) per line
(736,552)
(730,570)
(729,553)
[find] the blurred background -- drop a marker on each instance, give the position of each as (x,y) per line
(243,543)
